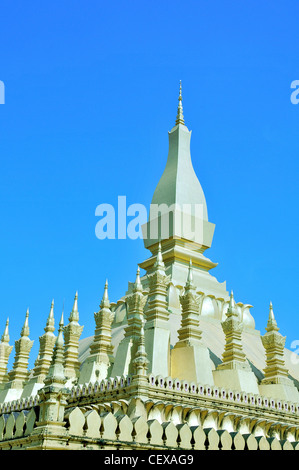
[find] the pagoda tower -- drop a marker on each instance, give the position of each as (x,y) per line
(190,359)
(178,217)
(128,346)
(100,360)
(72,333)
(5,350)
(276,381)
(42,364)
(235,371)
(157,325)
(53,398)
(19,374)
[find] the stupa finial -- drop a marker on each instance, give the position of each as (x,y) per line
(105,303)
(159,259)
(5,337)
(105,296)
(232,310)
(59,339)
(138,285)
(138,275)
(50,320)
(56,370)
(272,323)
(180,116)
(25,329)
(74,315)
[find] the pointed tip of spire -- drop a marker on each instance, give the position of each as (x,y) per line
(5,337)
(61,321)
(75,306)
(50,320)
(105,295)
(159,259)
(180,116)
(138,285)
(74,315)
(232,310)
(105,299)
(51,314)
(272,323)
(56,370)
(59,339)
(25,329)
(271,313)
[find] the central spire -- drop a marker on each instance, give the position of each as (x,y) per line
(179,186)
(178,217)
(180,116)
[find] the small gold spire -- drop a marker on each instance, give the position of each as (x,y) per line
(138,285)
(74,315)
(272,323)
(232,310)
(159,259)
(5,337)
(180,116)
(105,303)
(50,320)
(25,329)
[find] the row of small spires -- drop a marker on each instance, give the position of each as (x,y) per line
(49,325)
(50,321)
(74,316)
(105,303)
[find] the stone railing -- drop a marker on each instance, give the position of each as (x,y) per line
(106,430)
(192,389)
(223,394)
(17,424)
(91,430)
(99,412)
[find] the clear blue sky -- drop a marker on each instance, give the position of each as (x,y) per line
(91,92)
